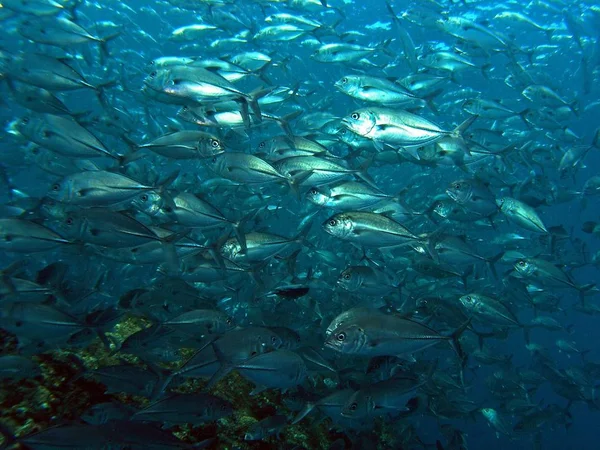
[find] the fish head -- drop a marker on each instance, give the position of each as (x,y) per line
(317,197)
(489,413)
(533,93)
(62,190)
(217,163)
(210,146)
(524,267)
(349,138)
(360,122)
(469,301)
(459,191)
(442,208)
(349,279)
(164,81)
(347,339)
(502,202)
(357,406)
(27,126)
(339,225)
(70,225)
(347,84)
(269,341)
(231,249)
(149,202)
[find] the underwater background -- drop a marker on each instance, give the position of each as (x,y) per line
(299,224)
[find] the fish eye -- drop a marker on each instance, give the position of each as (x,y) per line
(228,321)
(353,406)
(521,263)
(25,120)
(344,80)
(457,185)
(144,197)
(341,336)
(56,187)
(262,144)
(313,191)
(214,143)
(468,298)
(347,276)
(332,223)
(152,74)
(274,340)
(152,63)
(355,116)
(69,221)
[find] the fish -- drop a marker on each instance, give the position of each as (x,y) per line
(377,334)
(369,229)
(187,408)
(522,214)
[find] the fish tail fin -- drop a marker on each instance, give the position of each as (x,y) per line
(290,262)
(485,70)
(491,262)
(251,101)
(584,289)
(527,333)
(295,181)
(306,410)
(455,341)
(168,181)
(304,228)
(362,174)
(464,126)
(384,47)
(596,141)
(223,371)
(574,107)
(170,252)
(72,10)
(160,388)
(583,354)
(428,99)
(284,122)
(339,11)
(238,228)
(100,91)
(103,43)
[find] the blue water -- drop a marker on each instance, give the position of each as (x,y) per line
(145,27)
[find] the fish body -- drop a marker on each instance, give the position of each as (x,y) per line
(369,229)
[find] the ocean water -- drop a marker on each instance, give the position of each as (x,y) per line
(536,67)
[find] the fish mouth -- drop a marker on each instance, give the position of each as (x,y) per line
(329,344)
(451,194)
